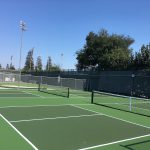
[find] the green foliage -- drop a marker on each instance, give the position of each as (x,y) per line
(29,64)
(0,66)
(49,64)
(55,68)
(51,67)
(104,51)
(12,67)
(39,65)
(7,67)
(142,58)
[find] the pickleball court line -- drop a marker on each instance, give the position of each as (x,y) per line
(53,105)
(101,145)
(53,118)
(33,94)
(29,142)
(148,127)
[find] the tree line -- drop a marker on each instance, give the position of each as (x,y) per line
(11,67)
(8,67)
(38,67)
(104,51)
(29,65)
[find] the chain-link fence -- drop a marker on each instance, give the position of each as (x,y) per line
(119,83)
(6,77)
(78,84)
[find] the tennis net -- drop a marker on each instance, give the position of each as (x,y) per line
(135,105)
(54,90)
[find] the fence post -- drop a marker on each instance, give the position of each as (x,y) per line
(92,95)
(132,84)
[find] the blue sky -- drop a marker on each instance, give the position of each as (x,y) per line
(61,26)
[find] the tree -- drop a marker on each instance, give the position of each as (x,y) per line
(55,68)
(105,52)
(131,64)
(86,56)
(145,55)
(29,64)
(0,66)
(7,67)
(142,58)
(12,67)
(49,64)
(38,66)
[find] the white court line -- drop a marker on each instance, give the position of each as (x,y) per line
(53,118)
(148,127)
(34,106)
(85,109)
(126,104)
(99,114)
(42,105)
(76,105)
(101,145)
(50,97)
(33,94)
(75,96)
(17,97)
(140,108)
(33,146)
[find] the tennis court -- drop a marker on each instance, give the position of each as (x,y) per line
(69,127)
(46,120)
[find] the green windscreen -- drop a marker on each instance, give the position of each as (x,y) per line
(120,102)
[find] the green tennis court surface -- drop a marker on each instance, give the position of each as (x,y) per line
(44,121)
(15,93)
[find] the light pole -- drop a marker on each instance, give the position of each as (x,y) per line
(23,28)
(62,61)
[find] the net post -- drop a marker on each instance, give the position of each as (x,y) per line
(39,87)
(130,99)
(92,95)
(68,93)
(132,84)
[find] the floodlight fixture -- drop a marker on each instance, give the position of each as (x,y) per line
(23,25)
